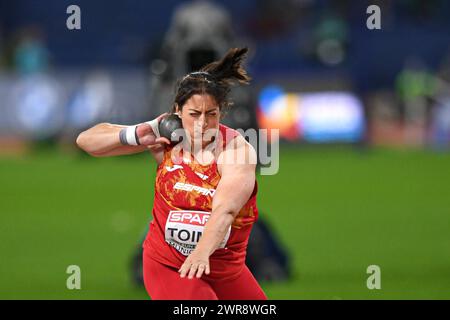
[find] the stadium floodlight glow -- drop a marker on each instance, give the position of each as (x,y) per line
(312,117)
(38,113)
(92,101)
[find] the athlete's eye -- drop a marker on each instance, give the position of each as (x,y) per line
(195,114)
(213,114)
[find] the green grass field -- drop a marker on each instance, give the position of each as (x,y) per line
(337,210)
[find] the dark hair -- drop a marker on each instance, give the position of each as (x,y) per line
(214,79)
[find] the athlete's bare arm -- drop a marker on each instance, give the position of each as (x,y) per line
(237,165)
(102,140)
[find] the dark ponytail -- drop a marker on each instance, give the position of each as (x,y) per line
(229,68)
(214,79)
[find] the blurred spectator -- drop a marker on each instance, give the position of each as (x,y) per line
(30,54)
(36,95)
(415,84)
(331,39)
(440,118)
(200,31)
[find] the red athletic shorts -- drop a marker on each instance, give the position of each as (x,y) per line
(164,283)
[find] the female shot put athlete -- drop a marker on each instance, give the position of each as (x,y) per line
(205,190)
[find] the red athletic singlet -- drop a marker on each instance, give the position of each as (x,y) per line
(183,201)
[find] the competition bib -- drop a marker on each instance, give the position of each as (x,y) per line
(184,229)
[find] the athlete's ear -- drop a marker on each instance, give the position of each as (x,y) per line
(177,110)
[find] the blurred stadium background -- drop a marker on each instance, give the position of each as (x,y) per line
(364,117)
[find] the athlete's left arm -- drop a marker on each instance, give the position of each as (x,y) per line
(237,164)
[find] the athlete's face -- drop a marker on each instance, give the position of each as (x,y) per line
(200,114)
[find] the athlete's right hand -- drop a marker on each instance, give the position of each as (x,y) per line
(146,135)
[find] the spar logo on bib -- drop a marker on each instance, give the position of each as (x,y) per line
(184,229)
(190,187)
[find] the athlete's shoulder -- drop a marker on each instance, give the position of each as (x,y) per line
(227,134)
(238,150)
